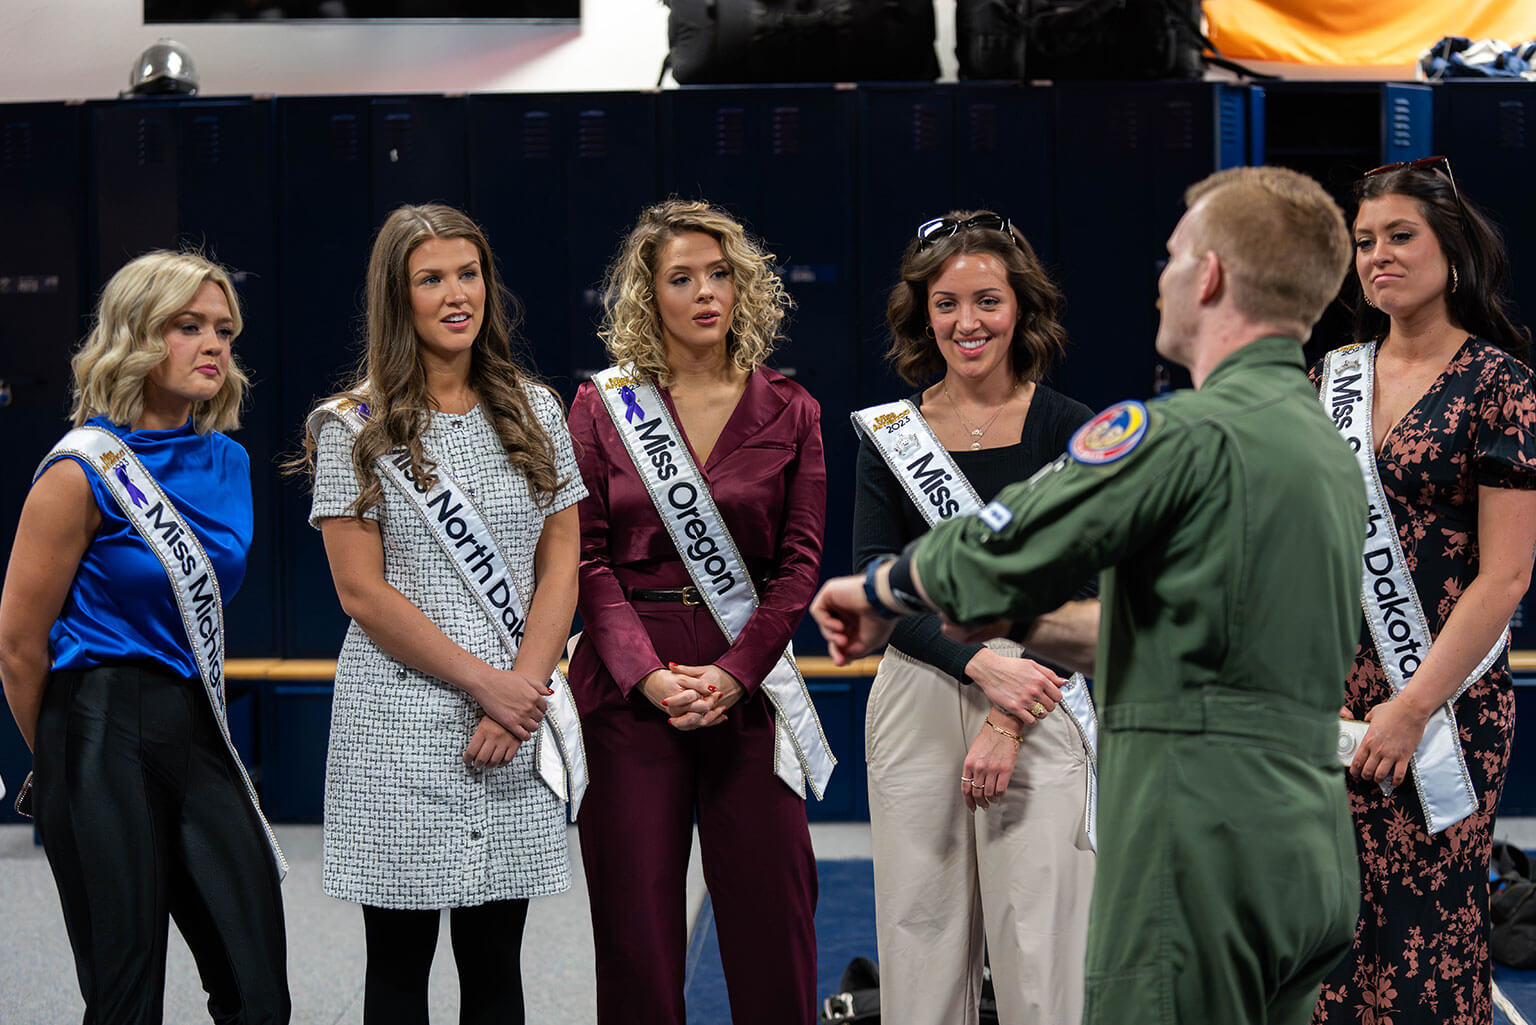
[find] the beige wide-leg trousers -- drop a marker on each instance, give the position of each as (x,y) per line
(1018,874)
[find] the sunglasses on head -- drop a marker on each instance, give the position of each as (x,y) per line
(932,231)
(1424,164)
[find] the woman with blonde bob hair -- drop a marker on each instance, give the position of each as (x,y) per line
(136,529)
(434,797)
(677,716)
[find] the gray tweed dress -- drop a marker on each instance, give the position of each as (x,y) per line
(407,824)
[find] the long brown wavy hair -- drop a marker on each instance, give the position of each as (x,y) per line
(1039,340)
(391,379)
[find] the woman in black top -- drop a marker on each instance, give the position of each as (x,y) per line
(1005,858)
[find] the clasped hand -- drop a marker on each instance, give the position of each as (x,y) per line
(514,704)
(1016,685)
(692,697)
(1386,752)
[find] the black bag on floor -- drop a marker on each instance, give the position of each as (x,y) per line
(859,1001)
(1079,39)
(726,41)
(1512,908)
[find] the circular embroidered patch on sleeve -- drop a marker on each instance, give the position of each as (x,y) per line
(1110,435)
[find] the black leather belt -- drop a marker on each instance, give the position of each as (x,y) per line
(685,595)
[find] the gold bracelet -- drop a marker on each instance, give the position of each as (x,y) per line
(998,729)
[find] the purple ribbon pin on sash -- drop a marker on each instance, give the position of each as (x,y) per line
(631,404)
(133,492)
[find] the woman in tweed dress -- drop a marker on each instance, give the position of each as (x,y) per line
(431,796)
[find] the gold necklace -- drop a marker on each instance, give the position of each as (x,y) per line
(977,432)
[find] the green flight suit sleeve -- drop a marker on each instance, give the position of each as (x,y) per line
(1068,521)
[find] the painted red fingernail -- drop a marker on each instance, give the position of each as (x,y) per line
(672,666)
(711,688)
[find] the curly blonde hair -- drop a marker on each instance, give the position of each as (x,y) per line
(127,341)
(631,329)
(392,380)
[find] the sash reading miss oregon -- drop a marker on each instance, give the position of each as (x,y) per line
(1398,626)
(801,755)
(193,581)
(929,476)
(461,531)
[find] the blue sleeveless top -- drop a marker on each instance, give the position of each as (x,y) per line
(120,606)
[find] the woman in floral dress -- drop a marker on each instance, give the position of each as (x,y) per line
(1454,431)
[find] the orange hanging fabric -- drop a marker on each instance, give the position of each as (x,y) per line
(1348,32)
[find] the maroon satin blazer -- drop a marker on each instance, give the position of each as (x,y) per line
(769,480)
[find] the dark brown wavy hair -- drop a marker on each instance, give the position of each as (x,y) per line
(391,379)
(1471,243)
(1039,340)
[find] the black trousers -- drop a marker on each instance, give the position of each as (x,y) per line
(487,947)
(144,818)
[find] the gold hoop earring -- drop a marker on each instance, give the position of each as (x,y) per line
(928,330)
(1455,281)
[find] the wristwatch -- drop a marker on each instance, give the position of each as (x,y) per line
(872,593)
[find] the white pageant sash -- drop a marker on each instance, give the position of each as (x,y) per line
(801,753)
(453,520)
(1399,629)
(930,477)
(193,581)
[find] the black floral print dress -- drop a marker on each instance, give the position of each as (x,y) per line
(1420,953)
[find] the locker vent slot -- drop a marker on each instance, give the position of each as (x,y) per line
(205,141)
(592,134)
(1125,127)
(730,132)
(925,127)
(1402,123)
(1231,121)
(1511,124)
(786,131)
(983,126)
(16,146)
(538,135)
(151,142)
(399,137)
(1179,125)
(344,137)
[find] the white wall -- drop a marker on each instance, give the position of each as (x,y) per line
(67,49)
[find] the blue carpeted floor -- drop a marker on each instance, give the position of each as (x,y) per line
(845,929)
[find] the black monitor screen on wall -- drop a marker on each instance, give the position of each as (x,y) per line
(183,11)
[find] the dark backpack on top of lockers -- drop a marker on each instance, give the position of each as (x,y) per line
(716,41)
(1079,39)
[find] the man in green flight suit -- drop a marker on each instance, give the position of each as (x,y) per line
(1228,521)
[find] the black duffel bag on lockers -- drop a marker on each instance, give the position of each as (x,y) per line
(1079,39)
(730,41)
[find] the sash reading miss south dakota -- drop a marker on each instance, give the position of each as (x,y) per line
(454,521)
(1398,626)
(801,755)
(933,481)
(193,581)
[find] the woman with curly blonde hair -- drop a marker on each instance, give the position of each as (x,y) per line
(680,717)
(445,480)
(136,530)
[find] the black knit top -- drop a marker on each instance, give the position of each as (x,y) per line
(884,518)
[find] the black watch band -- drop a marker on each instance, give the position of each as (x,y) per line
(872,593)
